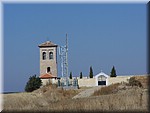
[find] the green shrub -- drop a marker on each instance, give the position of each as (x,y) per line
(33,84)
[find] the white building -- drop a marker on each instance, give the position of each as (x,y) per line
(101,79)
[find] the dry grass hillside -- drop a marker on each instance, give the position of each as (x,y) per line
(38,99)
(117,97)
(144,80)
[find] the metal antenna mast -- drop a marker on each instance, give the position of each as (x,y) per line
(66,59)
(63,53)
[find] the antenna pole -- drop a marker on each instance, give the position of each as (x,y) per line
(66,41)
(66,60)
(63,53)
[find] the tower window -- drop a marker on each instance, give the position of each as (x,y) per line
(48,69)
(44,55)
(51,55)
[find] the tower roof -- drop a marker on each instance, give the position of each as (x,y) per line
(48,44)
(47,76)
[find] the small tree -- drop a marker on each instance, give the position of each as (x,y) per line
(80,75)
(113,72)
(33,83)
(91,72)
(70,75)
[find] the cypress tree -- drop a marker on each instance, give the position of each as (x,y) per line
(80,75)
(113,72)
(70,75)
(91,72)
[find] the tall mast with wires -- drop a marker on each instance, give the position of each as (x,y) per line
(66,59)
(63,53)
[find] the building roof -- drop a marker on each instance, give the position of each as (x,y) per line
(100,74)
(47,76)
(48,44)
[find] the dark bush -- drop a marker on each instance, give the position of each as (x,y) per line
(33,84)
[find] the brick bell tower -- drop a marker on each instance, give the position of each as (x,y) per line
(48,59)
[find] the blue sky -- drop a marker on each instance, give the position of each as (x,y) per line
(99,35)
